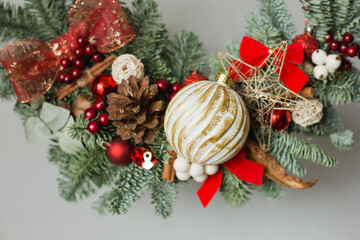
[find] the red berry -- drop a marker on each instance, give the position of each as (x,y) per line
(97,57)
(343,48)
(79,52)
(347,66)
(176,87)
(99,105)
(355,45)
(348,38)
(90,113)
(79,63)
(351,51)
(81,40)
(65,62)
(89,50)
(328,37)
(76,73)
(93,127)
(66,78)
(334,45)
(172,95)
(163,85)
(104,120)
(62,76)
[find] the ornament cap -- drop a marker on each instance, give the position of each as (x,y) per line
(223,77)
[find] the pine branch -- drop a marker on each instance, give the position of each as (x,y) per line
(6,88)
(271,189)
(342,140)
(163,197)
(289,162)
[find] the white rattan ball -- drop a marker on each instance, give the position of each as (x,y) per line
(306,115)
(125,66)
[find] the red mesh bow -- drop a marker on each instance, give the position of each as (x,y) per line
(33,65)
(244,169)
(256,54)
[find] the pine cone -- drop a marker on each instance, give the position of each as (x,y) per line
(135,111)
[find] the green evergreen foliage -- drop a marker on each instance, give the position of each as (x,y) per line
(342,140)
(231,47)
(6,88)
(163,196)
(271,189)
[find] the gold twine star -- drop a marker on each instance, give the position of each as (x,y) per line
(262,90)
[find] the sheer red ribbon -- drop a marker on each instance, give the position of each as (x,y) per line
(33,65)
(244,169)
(255,53)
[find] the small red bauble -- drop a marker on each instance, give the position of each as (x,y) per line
(93,127)
(172,95)
(99,104)
(194,77)
(355,45)
(347,66)
(328,37)
(175,87)
(309,43)
(118,152)
(163,85)
(103,85)
(79,52)
(104,120)
(65,62)
(334,45)
(62,76)
(90,113)
(351,51)
(348,38)
(343,48)
(89,50)
(97,57)
(280,119)
(66,78)
(79,63)
(143,157)
(81,40)
(76,73)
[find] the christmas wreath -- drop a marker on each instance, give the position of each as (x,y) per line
(127,109)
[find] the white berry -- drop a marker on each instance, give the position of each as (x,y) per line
(183,176)
(333,62)
(318,57)
(201,178)
(320,72)
(196,170)
(181,165)
(211,169)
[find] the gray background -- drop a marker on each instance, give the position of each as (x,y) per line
(30,207)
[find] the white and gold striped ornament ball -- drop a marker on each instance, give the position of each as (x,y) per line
(206,123)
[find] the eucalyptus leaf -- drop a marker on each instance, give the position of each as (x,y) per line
(54,117)
(36,130)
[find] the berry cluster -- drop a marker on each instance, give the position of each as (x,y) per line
(346,47)
(97,120)
(170,89)
(72,70)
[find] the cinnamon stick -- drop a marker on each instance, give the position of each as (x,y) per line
(169,171)
(306,92)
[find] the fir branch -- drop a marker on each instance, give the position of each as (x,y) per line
(24,111)
(234,190)
(340,12)
(271,189)
(288,161)
(214,63)
(6,88)
(342,140)
(159,147)
(185,54)
(129,187)
(163,197)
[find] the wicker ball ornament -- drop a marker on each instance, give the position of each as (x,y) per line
(306,117)
(127,65)
(207,122)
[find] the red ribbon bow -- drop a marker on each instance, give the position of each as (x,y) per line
(244,169)
(33,65)
(256,54)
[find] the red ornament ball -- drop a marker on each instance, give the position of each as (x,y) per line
(328,37)
(103,85)
(143,157)
(194,77)
(99,105)
(89,50)
(90,113)
(351,51)
(334,45)
(348,38)
(62,76)
(163,85)
(65,78)
(93,127)
(172,95)
(118,152)
(343,48)
(309,43)
(97,57)
(81,40)
(76,73)
(79,53)
(104,119)
(347,66)
(280,119)
(65,62)
(78,63)
(175,87)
